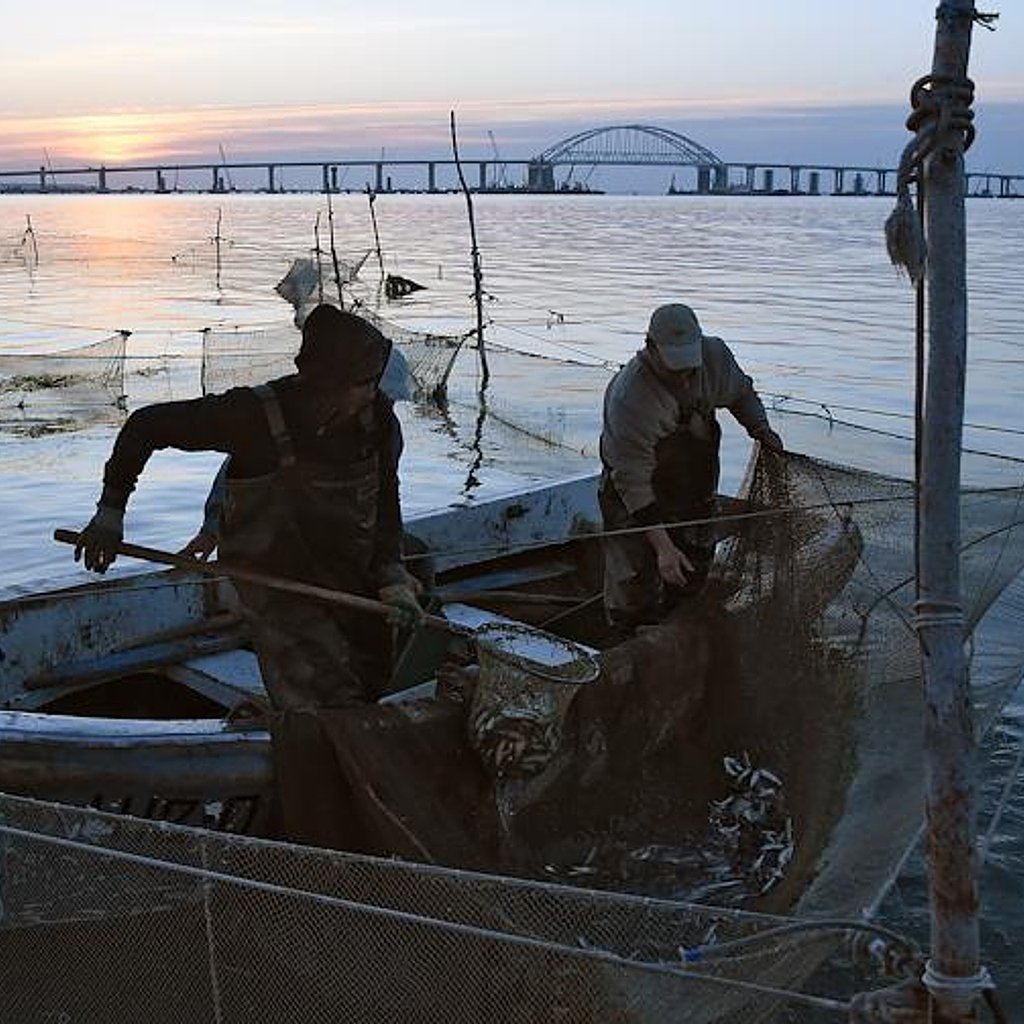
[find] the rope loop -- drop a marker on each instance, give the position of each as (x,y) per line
(941,106)
(941,116)
(962,992)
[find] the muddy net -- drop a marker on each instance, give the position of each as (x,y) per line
(817,585)
(742,752)
(44,392)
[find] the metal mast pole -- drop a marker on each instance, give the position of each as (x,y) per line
(953,976)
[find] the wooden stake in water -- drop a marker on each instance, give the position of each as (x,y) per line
(319,262)
(217,239)
(478,290)
(372,196)
(334,250)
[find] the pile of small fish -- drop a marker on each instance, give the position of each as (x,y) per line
(744,853)
(751,825)
(515,741)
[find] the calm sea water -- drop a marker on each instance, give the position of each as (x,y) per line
(801,288)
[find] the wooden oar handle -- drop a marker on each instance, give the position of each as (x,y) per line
(218,568)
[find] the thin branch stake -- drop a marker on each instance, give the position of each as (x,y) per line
(319,263)
(216,241)
(372,196)
(475,252)
(334,251)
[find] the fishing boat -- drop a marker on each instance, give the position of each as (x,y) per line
(758,751)
(137,693)
(778,697)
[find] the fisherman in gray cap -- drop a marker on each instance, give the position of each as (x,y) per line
(660,463)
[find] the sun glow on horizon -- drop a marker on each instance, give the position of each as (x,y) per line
(322,132)
(110,138)
(132,137)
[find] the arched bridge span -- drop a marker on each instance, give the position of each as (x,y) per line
(629,144)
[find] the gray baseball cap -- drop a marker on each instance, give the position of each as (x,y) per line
(675,332)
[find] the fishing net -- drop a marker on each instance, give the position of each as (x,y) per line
(242,358)
(237,358)
(528,680)
(430,356)
(553,400)
(819,587)
(108,918)
(64,390)
(759,752)
(22,250)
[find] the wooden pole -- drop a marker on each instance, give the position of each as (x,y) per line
(953,975)
(334,251)
(319,261)
(485,373)
(236,572)
(217,241)
(372,197)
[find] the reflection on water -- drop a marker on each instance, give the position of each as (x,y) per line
(802,289)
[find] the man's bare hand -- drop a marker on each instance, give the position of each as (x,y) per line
(673,564)
(201,546)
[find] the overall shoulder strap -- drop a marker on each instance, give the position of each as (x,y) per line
(275,421)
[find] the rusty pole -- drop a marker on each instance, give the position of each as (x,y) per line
(953,976)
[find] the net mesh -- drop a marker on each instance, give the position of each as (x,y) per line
(527,682)
(430,356)
(820,591)
(62,390)
(802,666)
(109,918)
(236,358)
(22,250)
(553,400)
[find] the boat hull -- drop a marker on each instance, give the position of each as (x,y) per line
(99,681)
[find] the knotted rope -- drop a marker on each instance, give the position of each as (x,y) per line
(941,116)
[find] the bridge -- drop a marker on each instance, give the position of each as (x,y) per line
(695,170)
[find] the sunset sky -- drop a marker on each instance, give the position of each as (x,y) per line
(117,82)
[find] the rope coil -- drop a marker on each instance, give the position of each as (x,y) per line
(962,990)
(941,116)
(929,614)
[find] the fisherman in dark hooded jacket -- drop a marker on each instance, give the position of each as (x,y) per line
(312,495)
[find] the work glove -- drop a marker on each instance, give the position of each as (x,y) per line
(769,439)
(100,538)
(406,610)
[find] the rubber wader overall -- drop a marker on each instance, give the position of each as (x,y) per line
(316,523)
(685,480)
